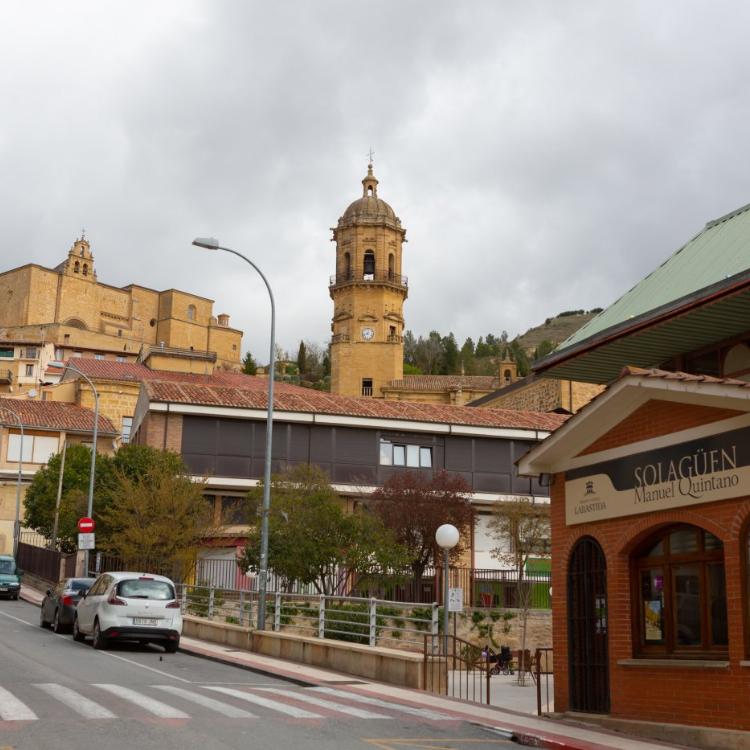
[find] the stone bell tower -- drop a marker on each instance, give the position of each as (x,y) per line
(368,292)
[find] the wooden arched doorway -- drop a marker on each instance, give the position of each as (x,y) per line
(588,650)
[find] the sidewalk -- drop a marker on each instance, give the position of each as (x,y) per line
(528,730)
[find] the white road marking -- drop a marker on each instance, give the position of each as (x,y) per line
(76,702)
(425,713)
(153,706)
(339,707)
(203,700)
(100,653)
(11,709)
(297,713)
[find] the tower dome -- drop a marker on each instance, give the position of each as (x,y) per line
(369,209)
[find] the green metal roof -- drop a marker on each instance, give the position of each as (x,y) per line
(649,324)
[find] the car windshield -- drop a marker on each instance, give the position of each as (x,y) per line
(145,588)
(83,584)
(7,567)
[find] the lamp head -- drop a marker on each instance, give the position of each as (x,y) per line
(209,243)
(447,536)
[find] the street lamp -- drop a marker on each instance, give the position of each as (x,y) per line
(92,473)
(17,523)
(447,537)
(209,243)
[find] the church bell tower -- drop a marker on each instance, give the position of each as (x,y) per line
(368,292)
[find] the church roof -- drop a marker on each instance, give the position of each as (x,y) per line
(438,383)
(369,209)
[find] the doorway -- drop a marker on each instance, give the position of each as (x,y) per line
(588,650)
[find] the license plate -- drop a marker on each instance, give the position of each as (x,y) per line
(145,620)
(3,588)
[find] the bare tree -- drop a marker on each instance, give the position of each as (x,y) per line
(413,506)
(523,529)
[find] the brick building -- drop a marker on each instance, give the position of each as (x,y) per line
(650,501)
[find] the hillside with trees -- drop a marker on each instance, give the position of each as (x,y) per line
(439,354)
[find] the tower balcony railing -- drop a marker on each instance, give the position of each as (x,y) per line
(340,338)
(394,338)
(378,277)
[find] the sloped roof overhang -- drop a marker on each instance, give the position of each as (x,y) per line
(563,449)
(715,313)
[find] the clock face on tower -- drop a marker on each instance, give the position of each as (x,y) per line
(367,334)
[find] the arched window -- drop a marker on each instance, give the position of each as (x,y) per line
(369,268)
(391,266)
(191,312)
(507,377)
(347,266)
(85,269)
(76,267)
(681,608)
(370,192)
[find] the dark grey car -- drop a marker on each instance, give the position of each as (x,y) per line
(59,604)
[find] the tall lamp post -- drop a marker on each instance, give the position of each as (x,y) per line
(447,537)
(92,473)
(17,522)
(209,243)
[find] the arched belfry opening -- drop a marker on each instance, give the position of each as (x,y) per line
(369,265)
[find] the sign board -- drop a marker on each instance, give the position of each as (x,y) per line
(455,600)
(86,541)
(702,470)
(86,525)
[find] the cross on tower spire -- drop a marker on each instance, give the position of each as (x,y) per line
(371,153)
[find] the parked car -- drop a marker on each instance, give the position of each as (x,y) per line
(59,604)
(130,607)
(10,577)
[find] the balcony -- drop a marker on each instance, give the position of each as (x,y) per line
(378,277)
(340,338)
(394,338)
(6,377)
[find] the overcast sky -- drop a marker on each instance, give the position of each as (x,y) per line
(542,156)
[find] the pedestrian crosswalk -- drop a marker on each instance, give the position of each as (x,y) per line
(109,701)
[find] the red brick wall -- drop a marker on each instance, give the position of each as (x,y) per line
(657,418)
(709,697)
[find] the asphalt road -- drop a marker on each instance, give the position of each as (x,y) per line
(57,694)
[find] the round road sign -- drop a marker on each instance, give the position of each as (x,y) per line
(86,525)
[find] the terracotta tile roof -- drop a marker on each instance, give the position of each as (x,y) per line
(444,383)
(307,400)
(681,376)
(135,372)
(53,415)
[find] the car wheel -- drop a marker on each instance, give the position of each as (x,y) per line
(98,640)
(77,634)
(171,647)
(57,626)
(42,622)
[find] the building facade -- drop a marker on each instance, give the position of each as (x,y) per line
(46,426)
(220,434)
(368,292)
(67,312)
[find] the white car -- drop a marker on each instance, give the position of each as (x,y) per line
(130,607)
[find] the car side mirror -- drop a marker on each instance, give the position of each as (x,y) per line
(83,594)
(49,592)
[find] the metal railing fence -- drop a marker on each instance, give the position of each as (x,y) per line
(355,619)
